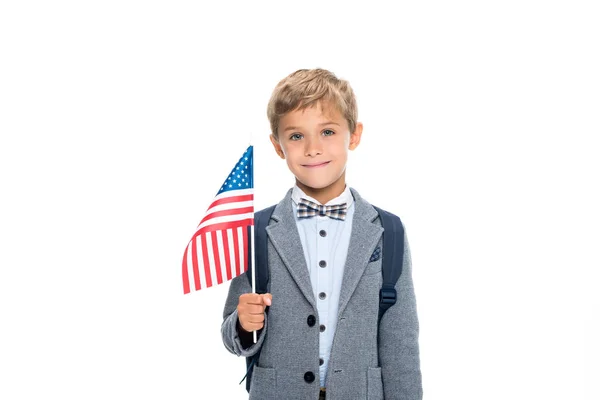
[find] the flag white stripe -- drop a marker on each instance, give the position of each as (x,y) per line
(232,193)
(231,251)
(241,247)
(226,218)
(211,259)
(230,206)
(190,269)
(200,262)
(222,255)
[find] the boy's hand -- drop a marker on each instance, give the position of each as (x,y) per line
(251,308)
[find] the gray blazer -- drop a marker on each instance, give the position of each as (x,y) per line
(362,365)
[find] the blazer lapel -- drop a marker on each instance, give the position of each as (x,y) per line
(363,240)
(283,233)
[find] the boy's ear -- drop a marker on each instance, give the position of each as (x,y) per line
(355,136)
(277,146)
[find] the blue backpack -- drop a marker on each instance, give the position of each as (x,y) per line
(392,258)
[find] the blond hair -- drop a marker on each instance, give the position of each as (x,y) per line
(306,88)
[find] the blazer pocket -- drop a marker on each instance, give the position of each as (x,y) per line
(376,254)
(373,268)
(264,383)
(374,384)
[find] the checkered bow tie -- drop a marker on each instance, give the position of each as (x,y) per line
(307,209)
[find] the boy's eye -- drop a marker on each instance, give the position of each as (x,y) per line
(328,132)
(296,136)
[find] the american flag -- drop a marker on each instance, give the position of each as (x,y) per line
(218,250)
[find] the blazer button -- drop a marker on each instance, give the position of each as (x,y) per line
(322,263)
(323,233)
(311,320)
(309,377)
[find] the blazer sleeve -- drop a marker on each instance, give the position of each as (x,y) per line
(399,340)
(230,333)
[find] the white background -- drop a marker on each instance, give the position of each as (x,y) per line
(119,121)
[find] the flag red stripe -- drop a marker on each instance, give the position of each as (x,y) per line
(226,251)
(232,199)
(226,213)
(224,226)
(195,264)
(206,262)
(217,256)
(236,247)
(186,279)
(245,249)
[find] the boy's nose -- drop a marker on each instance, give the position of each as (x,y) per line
(313,147)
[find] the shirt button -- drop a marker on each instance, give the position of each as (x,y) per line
(322,233)
(309,377)
(322,263)
(321,361)
(311,320)
(322,328)
(322,295)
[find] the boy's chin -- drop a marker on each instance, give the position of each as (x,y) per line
(315,186)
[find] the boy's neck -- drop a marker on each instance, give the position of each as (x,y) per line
(326,194)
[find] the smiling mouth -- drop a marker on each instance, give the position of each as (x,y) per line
(316,165)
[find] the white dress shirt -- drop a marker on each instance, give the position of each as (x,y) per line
(325,243)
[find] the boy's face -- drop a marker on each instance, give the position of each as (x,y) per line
(315,143)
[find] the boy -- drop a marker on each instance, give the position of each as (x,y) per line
(320,337)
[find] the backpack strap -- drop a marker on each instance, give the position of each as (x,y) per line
(393,255)
(261,221)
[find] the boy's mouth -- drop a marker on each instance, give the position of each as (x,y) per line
(316,165)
